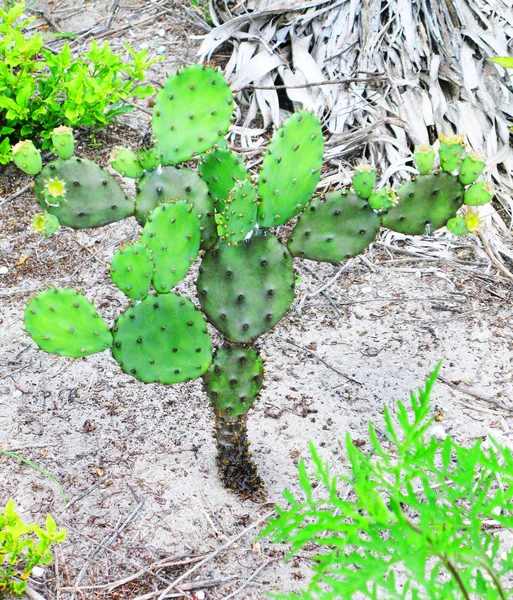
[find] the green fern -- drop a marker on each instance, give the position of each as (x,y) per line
(416,518)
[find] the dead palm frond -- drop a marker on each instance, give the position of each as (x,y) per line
(383,75)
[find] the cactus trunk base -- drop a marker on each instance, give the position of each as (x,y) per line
(237,470)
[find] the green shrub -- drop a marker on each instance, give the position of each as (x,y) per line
(22,547)
(416,518)
(40,90)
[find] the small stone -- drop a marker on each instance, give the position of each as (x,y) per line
(17,394)
(4,270)
(38,572)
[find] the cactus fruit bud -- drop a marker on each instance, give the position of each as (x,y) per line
(457,226)
(149,159)
(63,142)
(424,158)
(383,199)
(27,157)
(125,162)
(472,221)
(451,149)
(471,167)
(364,179)
(479,193)
(45,223)
(54,191)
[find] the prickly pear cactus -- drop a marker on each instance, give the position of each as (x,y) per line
(291,169)
(125,162)
(172,235)
(192,112)
(27,157)
(162,339)
(233,382)
(334,228)
(239,213)
(221,170)
(246,289)
(169,184)
(64,322)
(131,270)
(80,194)
(425,204)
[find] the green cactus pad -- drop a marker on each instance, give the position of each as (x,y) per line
(424,158)
(220,169)
(162,339)
(425,204)
(234,380)
(45,223)
(192,112)
(334,228)
(239,214)
(383,199)
(27,157)
(63,142)
(479,193)
(246,289)
(169,184)
(149,158)
(92,196)
(291,169)
(364,179)
(450,151)
(457,226)
(471,167)
(125,162)
(64,322)
(131,270)
(172,234)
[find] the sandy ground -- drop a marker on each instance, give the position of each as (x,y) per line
(137,462)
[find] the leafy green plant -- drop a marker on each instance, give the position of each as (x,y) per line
(40,90)
(246,280)
(414,518)
(22,547)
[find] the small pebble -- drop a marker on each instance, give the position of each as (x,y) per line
(161,33)
(161,49)
(37,572)
(17,394)
(438,431)
(4,270)
(109,374)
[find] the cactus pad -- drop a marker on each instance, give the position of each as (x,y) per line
(291,169)
(364,179)
(172,234)
(450,151)
(162,339)
(131,270)
(479,193)
(126,162)
(220,169)
(234,380)
(425,204)
(191,113)
(149,158)
(92,198)
(246,289)
(169,184)
(471,167)
(64,322)
(239,213)
(334,228)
